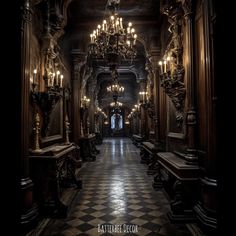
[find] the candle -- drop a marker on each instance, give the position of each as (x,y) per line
(53,77)
(61,81)
(160,64)
(58,73)
(135,37)
(168,63)
(165,66)
(121,25)
(34,77)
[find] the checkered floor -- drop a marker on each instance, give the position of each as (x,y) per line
(117,198)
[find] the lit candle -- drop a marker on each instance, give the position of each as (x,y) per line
(112,19)
(91,37)
(160,64)
(165,66)
(105,25)
(121,25)
(34,77)
(53,77)
(61,81)
(135,37)
(58,73)
(168,63)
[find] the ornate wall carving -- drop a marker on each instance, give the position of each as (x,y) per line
(172,73)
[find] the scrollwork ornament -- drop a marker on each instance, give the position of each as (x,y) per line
(26,12)
(187,7)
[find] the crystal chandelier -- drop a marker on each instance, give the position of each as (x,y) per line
(111,40)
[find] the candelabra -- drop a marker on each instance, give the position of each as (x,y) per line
(85,102)
(172,76)
(143,97)
(47,99)
(111,40)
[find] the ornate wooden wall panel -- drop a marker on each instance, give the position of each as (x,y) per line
(163,116)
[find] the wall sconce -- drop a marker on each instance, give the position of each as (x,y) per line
(172,76)
(85,102)
(143,97)
(47,100)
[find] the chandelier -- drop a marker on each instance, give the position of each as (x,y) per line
(111,40)
(116,104)
(115,88)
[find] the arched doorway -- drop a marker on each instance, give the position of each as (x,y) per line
(116,119)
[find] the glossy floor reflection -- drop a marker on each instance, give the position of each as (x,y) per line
(116,191)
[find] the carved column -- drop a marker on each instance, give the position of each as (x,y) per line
(144,125)
(29,211)
(78,59)
(91,93)
(189,70)
(206,208)
(155,57)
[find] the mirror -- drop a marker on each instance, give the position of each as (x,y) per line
(52,129)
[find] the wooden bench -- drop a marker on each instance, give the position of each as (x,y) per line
(180,181)
(137,139)
(148,151)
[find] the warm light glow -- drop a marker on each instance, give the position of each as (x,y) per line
(110,37)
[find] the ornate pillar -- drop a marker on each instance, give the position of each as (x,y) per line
(143,117)
(91,111)
(29,211)
(206,208)
(154,58)
(78,59)
(191,156)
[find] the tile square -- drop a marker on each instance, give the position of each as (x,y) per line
(85,227)
(134,207)
(139,221)
(99,207)
(151,226)
(137,213)
(89,210)
(75,222)
(87,218)
(107,218)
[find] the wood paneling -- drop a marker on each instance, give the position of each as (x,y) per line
(201,96)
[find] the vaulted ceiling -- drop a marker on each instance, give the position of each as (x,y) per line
(84,15)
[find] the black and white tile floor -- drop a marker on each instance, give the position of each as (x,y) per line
(116,193)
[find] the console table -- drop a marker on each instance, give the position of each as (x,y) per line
(52,170)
